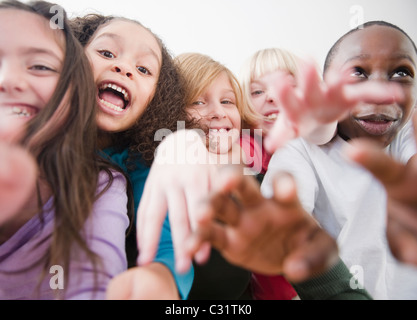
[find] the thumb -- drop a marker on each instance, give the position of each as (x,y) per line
(281,132)
(373,158)
(285,189)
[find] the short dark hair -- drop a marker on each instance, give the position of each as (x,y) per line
(334,49)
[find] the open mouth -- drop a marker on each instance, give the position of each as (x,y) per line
(376,125)
(220,140)
(271,117)
(113,96)
(21,111)
(218,131)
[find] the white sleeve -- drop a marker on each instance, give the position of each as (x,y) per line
(403,147)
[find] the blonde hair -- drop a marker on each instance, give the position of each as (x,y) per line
(199,71)
(262,62)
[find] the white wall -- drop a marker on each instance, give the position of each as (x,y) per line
(231,30)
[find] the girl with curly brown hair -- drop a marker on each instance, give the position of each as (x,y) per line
(139,91)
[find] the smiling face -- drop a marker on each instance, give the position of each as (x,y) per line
(126,60)
(29,65)
(378,53)
(264,98)
(216,110)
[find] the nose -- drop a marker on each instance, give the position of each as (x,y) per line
(216,111)
(123,70)
(11,78)
(271,96)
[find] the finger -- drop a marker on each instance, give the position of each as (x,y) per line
(403,214)
(224,204)
(371,157)
(342,94)
(18,172)
(336,77)
(195,193)
(288,96)
(203,253)
(373,92)
(311,86)
(285,189)
(180,229)
(217,236)
(247,192)
(226,208)
(281,132)
(151,214)
(198,245)
(338,101)
(402,242)
(244,187)
(213,233)
(311,259)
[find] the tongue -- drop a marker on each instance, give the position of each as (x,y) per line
(112,98)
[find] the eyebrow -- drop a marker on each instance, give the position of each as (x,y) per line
(118,38)
(35,50)
(228,91)
(109,35)
(407,57)
(367,56)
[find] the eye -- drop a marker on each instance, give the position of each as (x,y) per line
(106,54)
(402,73)
(39,67)
(227,102)
(257,92)
(143,70)
(358,73)
(197,103)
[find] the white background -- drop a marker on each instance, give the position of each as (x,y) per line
(231,30)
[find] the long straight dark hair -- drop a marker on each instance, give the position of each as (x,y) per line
(63,139)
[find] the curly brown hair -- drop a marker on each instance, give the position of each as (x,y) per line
(166,108)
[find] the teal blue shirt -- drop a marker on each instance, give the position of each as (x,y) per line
(165,254)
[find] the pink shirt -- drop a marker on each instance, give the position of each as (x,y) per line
(20,257)
(256,156)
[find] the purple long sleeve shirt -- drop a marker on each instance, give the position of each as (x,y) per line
(21,267)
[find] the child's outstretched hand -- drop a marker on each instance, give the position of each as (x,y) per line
(269,236)
(400,182)
(17,171)
(180,177)
(151,282)
(312,108)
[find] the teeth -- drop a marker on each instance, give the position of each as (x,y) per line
(272,116)
(222,130)
(111,105)
(21,112)
(116,88)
